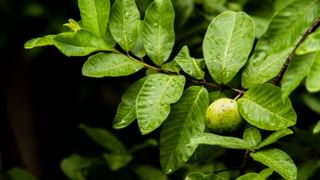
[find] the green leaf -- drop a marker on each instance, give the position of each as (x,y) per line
(316,128)
(80,43)
(126,112)
(154,99)
(20,174)
(274,137)
(311,44)
(313,78)
(201,176)
(183,11)
(313,102)
(263,175)
(277,160)
(262,106)
(171,66)
(110,65)
(275,46)
(187,118)
(146,144)
(40,41)
(298,69)
(158,30)
(105,139)
(145,172)
(138,49)
(95,15)
(74,165)
(189,64)
(307,169)
(280,4)
(252,136)
(124,23)
(223,141)
(117,161)
(214,95)
(227,44)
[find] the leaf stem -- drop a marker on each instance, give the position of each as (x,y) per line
(310,30)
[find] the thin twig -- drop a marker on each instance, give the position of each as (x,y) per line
(200,82)
(244,162)
(310,30)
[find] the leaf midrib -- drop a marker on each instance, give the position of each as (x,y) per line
(267,110)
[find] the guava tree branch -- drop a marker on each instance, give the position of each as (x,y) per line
(310,30)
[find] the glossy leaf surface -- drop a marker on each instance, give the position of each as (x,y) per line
(187,118)
(263,107)
(110,65)
(124,23)
(158,30)
(154,99)
(227,44)
(277,160)
(275,46)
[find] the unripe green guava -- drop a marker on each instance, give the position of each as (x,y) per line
(223,116)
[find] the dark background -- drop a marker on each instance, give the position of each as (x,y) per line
(44,97)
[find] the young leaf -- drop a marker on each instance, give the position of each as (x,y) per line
(252,136)
(298,69)
(40,41)
(138,49)
(105,139)
(313,78)
(73,25)
(124,23)
(145,172)
(311,44)
(316,128)
(110,65)
(158,30)
(154,99)
(274,137)
(187,118)
(95,15)
(80,43)
(262,106)
(275,46)
(188,63)
(117,161)
(227,44)
(74,165)
(223,141)
(263,175)
(277,160)
(20,174)
(126,112)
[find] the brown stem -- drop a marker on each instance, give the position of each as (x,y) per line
(200,82)
(244,162)
(310,30)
